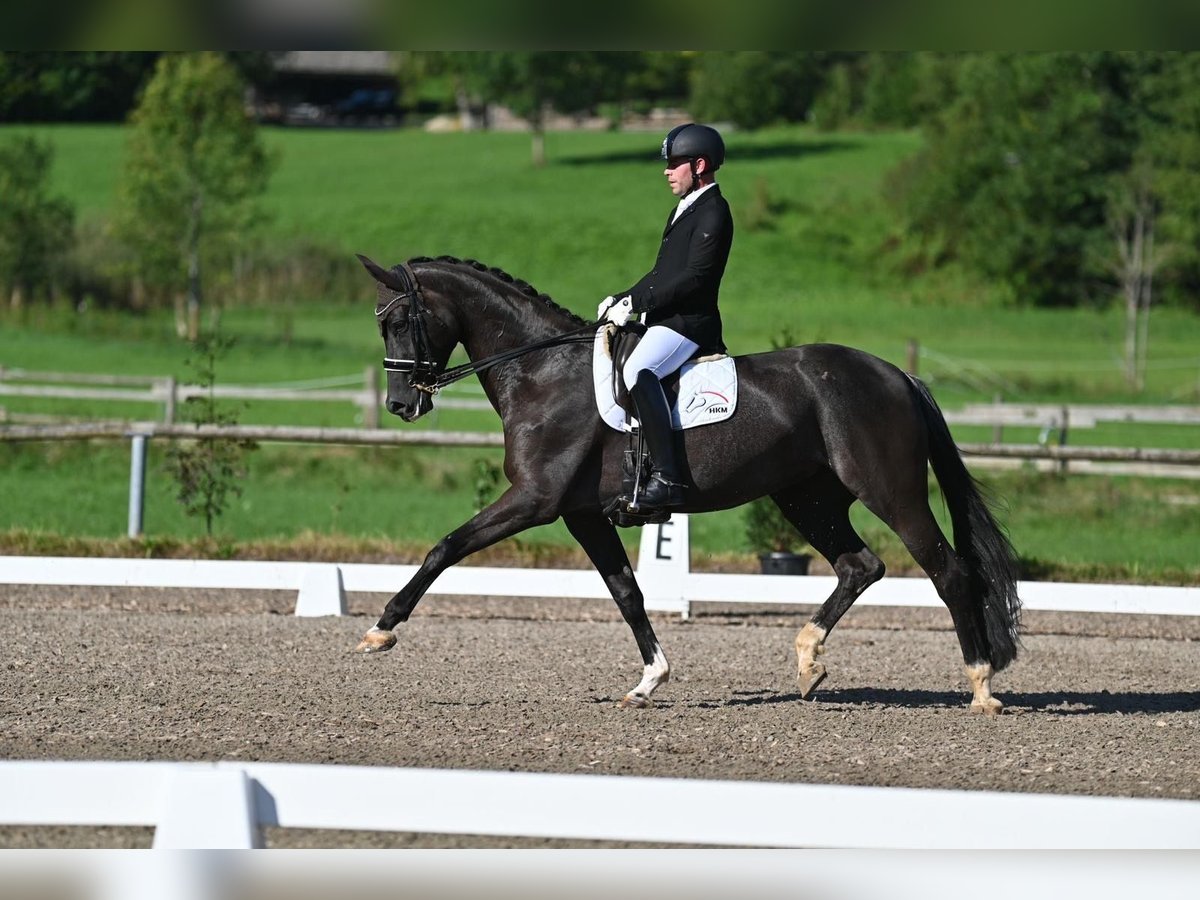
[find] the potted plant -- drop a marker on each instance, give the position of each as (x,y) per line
(775,539)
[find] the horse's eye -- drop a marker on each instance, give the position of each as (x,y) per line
(400,327)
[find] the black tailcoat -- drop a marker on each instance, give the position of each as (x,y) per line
(680,292)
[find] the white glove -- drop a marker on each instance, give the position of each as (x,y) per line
(604,305)
(620,312)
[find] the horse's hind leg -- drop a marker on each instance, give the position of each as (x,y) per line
(603,546)
(949,574)
(924,539)
(819,508)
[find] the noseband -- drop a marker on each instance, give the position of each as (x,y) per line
(421,370)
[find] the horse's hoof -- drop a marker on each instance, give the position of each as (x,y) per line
(376,641)
(990,707)
(810,680)
(636,701)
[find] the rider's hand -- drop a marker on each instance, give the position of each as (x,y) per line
(620,312)
(604,305)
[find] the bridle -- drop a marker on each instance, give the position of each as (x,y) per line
(422,371)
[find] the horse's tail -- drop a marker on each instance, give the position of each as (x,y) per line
(978,538)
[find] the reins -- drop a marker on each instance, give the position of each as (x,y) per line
(575,336)
(421,370)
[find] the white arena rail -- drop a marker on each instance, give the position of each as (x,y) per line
(553,874)
(663,571)
(224,805)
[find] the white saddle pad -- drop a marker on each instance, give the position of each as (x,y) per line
(707,389)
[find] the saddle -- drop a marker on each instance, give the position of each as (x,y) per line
(702,391)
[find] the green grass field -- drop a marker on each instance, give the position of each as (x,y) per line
(587,224)
(809,259)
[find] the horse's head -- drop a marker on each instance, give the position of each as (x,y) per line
(417,339)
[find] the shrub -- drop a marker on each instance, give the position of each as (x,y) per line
(35,227)
(768,531)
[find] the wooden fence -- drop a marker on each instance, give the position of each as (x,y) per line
(365,392)
(366,436)
(1133,459)
(1056,421)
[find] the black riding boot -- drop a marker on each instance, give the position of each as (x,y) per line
(664,489)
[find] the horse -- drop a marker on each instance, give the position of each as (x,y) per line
(816,428)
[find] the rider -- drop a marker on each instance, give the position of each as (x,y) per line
(679,297)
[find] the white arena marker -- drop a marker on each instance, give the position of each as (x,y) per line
(207,808)
(664,560)
(321,592)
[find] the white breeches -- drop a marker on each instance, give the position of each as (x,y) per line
(661,350)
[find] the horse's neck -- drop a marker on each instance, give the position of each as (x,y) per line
(495,326)
(494,322)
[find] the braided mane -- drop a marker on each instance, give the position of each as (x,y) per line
(523,286)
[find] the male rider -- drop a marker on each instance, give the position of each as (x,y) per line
(678,296)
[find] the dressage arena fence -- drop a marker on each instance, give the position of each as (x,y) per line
(663,572)
(226,804)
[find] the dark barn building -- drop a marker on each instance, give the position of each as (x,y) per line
(330,87)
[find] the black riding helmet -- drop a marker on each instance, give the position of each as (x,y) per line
(692,141)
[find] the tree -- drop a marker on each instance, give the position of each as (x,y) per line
(1015,177)
(531,84)
(891,89)
(208,471)
(652,78)
(754,88)
(884,88)
(1169,103)
(1154,205)
(1070,177)
(89,86)
(837,102)
(194,168)
(74,86)
(1132,216)
(35,227)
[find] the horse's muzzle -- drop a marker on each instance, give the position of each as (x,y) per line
(406,411)
(409,412)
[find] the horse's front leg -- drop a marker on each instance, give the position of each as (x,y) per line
(515,511)
(603,546)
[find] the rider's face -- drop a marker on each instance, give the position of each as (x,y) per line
(679,175)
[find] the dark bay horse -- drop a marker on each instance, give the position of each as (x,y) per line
(817,427)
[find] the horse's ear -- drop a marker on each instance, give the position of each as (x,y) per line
(382,275)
